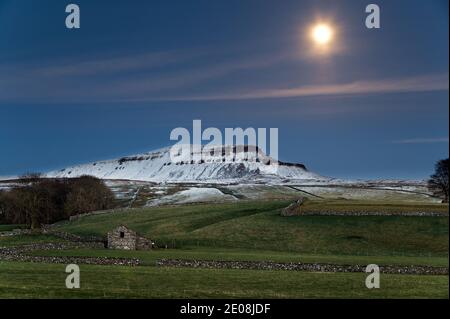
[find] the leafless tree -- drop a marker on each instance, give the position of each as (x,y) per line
(37,201)
(438,182)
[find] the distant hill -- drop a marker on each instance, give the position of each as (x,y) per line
(157,166)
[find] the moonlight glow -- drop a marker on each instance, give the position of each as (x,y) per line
(322,34)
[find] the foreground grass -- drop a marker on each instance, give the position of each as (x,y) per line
(258,226)
(28,280)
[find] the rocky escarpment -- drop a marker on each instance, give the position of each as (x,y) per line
(228,164)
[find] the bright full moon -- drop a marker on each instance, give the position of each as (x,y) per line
(322,34)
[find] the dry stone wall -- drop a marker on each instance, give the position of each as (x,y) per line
(313,267)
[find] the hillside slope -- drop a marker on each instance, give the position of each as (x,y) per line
(258,225)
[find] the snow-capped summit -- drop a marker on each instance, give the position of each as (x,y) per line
(221,164)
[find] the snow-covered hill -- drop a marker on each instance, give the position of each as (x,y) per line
(157,166)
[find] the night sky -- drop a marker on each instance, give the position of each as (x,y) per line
(375,105)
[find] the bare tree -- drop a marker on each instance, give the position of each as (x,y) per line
(438,182)
(87,193)
(37,201)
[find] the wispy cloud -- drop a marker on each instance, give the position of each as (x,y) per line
(117,64)
(123,77)
(434,82)
(81,78)
(176,75)
(422,140)
(107,64)
(190,76)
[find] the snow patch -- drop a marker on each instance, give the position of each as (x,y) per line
(193,195)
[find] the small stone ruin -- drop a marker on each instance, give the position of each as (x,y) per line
(124,238)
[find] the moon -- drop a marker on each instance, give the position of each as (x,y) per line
(322,34)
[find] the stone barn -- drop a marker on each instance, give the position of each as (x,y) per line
(124,238)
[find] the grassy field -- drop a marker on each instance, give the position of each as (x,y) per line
(10,227)
(11,241)
(26,280)
(347,205)
(248,230)
(258,226)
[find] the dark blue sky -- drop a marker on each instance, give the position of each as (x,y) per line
(375,105)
